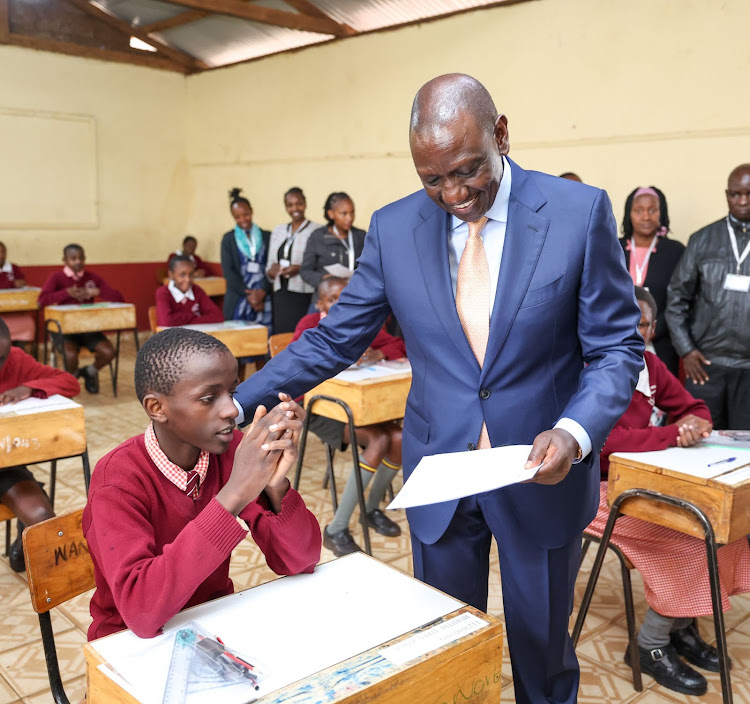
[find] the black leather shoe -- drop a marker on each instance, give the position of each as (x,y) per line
(688,643)
(340,543)
(666,667)
(377,520)
(90,378)
(15,554)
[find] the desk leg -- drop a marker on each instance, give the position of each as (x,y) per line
(52,482)
(331,477)
(358,478)
(114,367)
(86,469)
(135,337)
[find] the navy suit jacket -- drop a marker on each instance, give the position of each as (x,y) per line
(563,342)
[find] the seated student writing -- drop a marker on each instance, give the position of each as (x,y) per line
(672,564)
(189,245)
(161,518)
(76,284)
(381,456)
(21,376)
(181,302)
(22,325)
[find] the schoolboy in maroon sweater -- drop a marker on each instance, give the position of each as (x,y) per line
(161,518)
(181,302)
(74,284)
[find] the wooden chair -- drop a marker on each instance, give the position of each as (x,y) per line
(152,318)
(278,342)
(7,515)
(58,567)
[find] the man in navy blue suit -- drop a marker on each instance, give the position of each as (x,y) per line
(557,367)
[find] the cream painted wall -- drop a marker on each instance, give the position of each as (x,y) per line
(625,93)
(139,170)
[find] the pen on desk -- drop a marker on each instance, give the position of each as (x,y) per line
(724,461)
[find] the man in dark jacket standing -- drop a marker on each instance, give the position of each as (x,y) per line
(708,309)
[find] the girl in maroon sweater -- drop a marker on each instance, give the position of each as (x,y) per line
(672,564)
(21,376)
(22,325)
(180,302)
(381,457)
(161,518)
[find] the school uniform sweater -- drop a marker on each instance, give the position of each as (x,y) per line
(55,290)
(633,432)
(9,275)
(157,551)
(391,347)
(202,310)
(21,369)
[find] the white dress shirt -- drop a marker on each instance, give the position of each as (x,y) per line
(493,238)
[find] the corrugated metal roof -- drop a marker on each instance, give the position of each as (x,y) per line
(219,40)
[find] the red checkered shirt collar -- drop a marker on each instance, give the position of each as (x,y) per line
(176,474)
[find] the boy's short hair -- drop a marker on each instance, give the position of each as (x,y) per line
(71,247)
(643,294)
(165,358)
(177,258)
(332,281)
(189,238)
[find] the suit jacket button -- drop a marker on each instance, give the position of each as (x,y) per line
(484,394)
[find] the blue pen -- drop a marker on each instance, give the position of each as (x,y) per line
(728,459)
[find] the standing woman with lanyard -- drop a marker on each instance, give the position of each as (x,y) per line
(338,242)
(244,252)
(291,295)
(651,258)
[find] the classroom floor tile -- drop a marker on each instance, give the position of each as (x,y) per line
(604,676)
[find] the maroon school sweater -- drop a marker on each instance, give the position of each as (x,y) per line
(55,289)
(633,433)
(156,551)
(202,310)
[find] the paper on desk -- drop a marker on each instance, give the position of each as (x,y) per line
(701,461)
(37,405)
(372,371)
(454,475)
(339,270)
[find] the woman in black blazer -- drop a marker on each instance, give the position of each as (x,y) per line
(338,242)
(651,258)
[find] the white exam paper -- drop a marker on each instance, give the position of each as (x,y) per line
(703,461)
(454,475)
(56,402)
(339,270)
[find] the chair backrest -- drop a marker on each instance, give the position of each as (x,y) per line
(152,318)
(58,563)
(278,342)
(5,513)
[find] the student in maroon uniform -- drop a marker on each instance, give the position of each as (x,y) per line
(672,564)
(21,376)
(161,518)
(21,325)
(189,245)
(181,302)
(76,284)
(380,460)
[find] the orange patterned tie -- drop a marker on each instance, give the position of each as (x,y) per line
(473,300)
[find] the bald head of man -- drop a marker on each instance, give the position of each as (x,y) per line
(457,141)
(738,193)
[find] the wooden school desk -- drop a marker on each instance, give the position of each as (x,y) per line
(20,300)
(211,285)
(39,430)
(322,638)
(365,396)
(242,339)
(680,489)
(93,317)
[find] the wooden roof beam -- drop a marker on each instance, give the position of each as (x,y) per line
(175,55)
(176,21)
(307,8)
(265,15)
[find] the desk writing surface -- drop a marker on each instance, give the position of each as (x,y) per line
(296,626)
(92,317)
(212,285)
(243,339)
(19,299)
(721,491)
(37,430)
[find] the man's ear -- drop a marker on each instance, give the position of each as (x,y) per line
(155,407)
(501,134)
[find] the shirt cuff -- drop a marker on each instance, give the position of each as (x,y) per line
(240,419)
(580,435)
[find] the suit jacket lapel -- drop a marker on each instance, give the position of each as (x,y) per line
(524,238)
(431,237)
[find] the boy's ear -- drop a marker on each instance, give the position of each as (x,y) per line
(155,407)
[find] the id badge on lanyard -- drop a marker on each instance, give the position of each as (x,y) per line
(348,245)
(737,282)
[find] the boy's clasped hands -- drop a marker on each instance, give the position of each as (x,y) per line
(265,455)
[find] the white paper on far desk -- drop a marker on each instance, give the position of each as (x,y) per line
(56,402)
(454,475)
(339,270)
(701,461)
